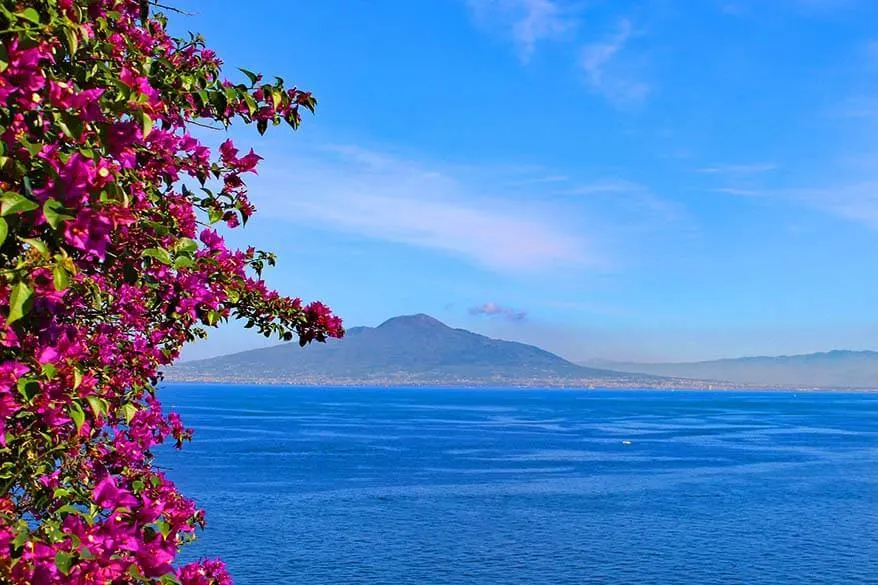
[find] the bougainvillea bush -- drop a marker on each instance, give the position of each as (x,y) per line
(111,260)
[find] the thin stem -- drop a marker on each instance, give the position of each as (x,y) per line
(208,126)
(171,8)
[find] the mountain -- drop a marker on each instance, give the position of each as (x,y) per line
(408,350)
(832,369)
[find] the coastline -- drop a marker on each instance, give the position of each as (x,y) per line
(494,386)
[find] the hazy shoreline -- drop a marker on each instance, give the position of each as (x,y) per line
(524,388)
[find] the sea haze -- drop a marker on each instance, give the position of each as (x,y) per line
(491,487)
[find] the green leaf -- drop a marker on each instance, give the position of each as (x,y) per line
(129,410)
(159,228)
(15,203)
(311,104)
(214,214)
(250,75)
(20,301)
(292,118)
(63,560)
(159,254)
(219,102)
(169,579)
(60,278)
(164,527)
(33,148)
(183,262)
(54,212)
(4,230)
(77,414)
(69,509)
(251,103)
(135,572)
(98,405)
(145,123)
(49,370)
(30,14)
(71,125)
(21,538)
(28,388)
(72,40)
(84,552)
(39,245)
(186,245)
(231,95)
(77,378)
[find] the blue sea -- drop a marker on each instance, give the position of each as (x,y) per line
(491,487)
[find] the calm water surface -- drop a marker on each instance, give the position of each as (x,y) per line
(340,486)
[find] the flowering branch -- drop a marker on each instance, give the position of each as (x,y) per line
(106,269)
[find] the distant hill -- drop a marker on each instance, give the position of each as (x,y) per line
(832,369)
(408,350)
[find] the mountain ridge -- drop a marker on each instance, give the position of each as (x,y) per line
(406,350)
(836,368)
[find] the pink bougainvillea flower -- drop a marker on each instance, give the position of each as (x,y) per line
(108,270)
(107,495)
(89,232)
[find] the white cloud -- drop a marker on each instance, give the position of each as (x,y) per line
(606,186)
(738,192)
(604,74)
(631,203)
(748,169)
(856,202)
(852,201)
(525,22)
(495,310)
(379,196)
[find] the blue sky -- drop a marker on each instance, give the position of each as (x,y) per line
(650,180)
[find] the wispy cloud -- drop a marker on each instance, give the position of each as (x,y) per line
(494,310)
(544,179)
(857,201)
(748,169)
(605,186)
(525,22)
(630,202)
(380,196)
(738,192)
(604,74)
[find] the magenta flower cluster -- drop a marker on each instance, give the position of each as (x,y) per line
(110,260)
